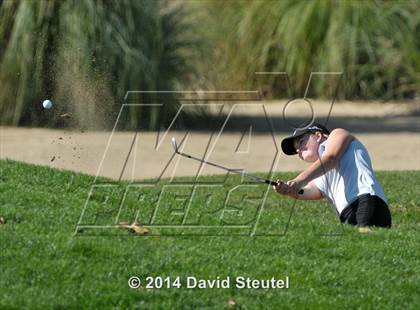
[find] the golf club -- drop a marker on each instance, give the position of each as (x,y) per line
(255,178)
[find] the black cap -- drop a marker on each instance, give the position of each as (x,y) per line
(287,143)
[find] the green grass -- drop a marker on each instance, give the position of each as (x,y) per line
(44,264)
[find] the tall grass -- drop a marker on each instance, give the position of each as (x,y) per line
(374,43)
(86,54)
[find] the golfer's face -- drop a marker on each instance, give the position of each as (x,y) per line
(307,147)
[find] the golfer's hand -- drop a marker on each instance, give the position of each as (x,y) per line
(294,186)
(281,187)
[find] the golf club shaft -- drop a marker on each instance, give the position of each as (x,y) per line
(258,179)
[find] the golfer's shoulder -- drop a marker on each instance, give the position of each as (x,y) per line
(338,142)
(340,134)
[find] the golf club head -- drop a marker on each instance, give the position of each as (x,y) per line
(173,140)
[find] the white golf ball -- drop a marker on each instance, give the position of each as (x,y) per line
(47,104)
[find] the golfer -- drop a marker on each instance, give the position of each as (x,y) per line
(340,171)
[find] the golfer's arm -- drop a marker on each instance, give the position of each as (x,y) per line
(338,142)
(311,192)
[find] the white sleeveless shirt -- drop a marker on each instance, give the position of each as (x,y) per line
(352,177)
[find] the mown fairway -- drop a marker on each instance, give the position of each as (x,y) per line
(44,264)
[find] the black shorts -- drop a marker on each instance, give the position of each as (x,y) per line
(367,210)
